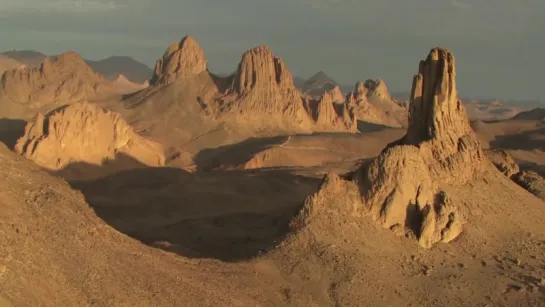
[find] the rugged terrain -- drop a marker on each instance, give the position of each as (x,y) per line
(238,212)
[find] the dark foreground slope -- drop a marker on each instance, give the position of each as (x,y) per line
(56,251)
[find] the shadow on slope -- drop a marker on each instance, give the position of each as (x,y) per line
(229,216)
(526,140)
(235,154)
(296,151)
(11,130)
(364,126)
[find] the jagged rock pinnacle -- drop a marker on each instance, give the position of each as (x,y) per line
(330,112)
(402,188)
(182,59)
(435,111)
(259,68)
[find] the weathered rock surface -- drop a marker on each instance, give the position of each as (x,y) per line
(329,112)
(263,85)
(502,161)
(371,102)
(364,111)
(377,88)
(180,60)
(84,133)
(401,189)
(531,181)
(64,79)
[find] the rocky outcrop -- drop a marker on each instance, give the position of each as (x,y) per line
(63,79)
(531,181)
(401,189)
(377,88)
(180,60)
(262,85)
(502,161)
(329,112)
(366,111)
(336,94)
(84,133)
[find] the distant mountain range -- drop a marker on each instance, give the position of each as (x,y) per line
(110,67)
(320,82)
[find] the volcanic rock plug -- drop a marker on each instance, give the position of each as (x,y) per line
(401,188)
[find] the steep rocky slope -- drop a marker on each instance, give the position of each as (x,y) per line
(84,133)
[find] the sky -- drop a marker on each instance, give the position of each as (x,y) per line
(499,45)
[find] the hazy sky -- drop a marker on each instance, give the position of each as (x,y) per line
(499,44)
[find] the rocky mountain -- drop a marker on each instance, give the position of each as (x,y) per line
(84,133)
(153,235)
(318,84)
(372,103)
(259,97)
(59,80)
(438,149)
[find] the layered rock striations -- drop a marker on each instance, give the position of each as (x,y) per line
(64,79)
(84,133)
(262,85)
(401,188)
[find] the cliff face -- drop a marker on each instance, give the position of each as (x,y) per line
(84,133)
